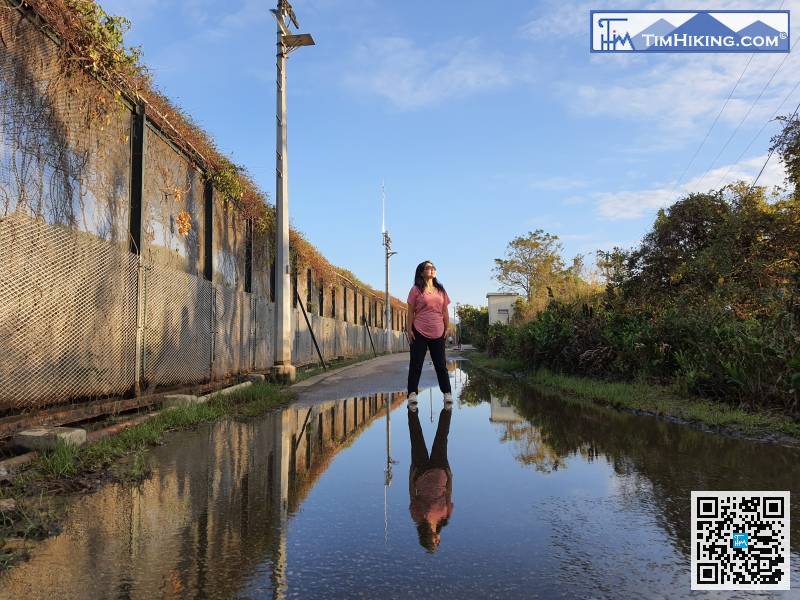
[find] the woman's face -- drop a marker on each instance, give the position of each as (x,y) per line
(428,271)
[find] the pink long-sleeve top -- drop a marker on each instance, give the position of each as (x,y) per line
(428,307)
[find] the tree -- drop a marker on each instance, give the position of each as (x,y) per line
(613,266)
(474,323)
(532,263)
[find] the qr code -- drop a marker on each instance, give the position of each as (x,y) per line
(740,540)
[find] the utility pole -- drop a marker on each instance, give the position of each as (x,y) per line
(283,370)
(387,244)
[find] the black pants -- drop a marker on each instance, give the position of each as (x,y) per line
(419,453)
(419,347)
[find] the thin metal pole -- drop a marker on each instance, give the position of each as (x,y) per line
(386,304)
(371,343)
(310,330)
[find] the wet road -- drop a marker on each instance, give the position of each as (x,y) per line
(550,499)
(385,373)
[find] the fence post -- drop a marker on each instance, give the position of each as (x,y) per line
(140,317)
(138,141)
(213,328)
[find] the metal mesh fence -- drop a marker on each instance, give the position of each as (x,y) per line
(234,335)
(264,340)
(67,315)
(177,327)
(68,321)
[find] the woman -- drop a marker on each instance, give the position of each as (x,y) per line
(426,328)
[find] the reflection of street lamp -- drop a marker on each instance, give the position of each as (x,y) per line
(387,474)
(283,369)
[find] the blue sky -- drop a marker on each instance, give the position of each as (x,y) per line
(484,120)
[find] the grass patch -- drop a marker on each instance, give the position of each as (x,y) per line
(642,396)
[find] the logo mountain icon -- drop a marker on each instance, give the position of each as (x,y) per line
(703,24)
(762,30)
(660,28)
(757,28)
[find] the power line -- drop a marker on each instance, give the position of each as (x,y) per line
(744,118)
(758,133)
(710,129)
(725,104)
(771,151)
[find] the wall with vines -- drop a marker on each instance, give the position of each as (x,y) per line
(63,160)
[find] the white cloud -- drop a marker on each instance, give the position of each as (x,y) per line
(681,96)
(634,204)
(412,77)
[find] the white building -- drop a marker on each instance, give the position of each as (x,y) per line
(501,306)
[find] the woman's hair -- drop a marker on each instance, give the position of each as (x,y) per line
(426,534)
(419,280)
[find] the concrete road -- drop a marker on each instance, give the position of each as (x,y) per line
(383,374)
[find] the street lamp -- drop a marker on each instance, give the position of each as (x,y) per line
(387,244)
(283,369)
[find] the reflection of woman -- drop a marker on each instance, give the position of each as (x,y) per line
(430,481)
(426,327)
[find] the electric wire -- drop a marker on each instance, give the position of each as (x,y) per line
(747,114)
(752,141)
(713,124)
(719,114)
(771,151)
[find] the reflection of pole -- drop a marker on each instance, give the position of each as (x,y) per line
(282,452)
(389,460)
(387,475)
(430,397)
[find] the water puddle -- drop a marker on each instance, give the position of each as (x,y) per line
(546,499)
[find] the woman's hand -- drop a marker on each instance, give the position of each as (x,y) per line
(410,334)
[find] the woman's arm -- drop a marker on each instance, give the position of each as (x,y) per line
(410,323)
(446,318)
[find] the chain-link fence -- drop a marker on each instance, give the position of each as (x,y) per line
(67,315)
(178,327)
